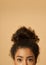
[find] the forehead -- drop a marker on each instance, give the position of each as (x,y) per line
(24,52)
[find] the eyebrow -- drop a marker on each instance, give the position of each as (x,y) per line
(30,57)
(20,56)
(27,57)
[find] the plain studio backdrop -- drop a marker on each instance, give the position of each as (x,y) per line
(17,13)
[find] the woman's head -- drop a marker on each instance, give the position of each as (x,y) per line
(25,45)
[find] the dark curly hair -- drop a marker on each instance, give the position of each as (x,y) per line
(25,38)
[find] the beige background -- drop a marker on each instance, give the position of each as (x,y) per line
(16,13)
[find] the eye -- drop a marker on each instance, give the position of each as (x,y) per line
(30,59)
(20,60)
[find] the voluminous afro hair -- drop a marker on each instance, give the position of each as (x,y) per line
(25,38)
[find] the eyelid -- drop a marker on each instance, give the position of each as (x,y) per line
(30,58)
(19,58)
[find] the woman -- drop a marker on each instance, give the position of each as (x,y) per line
(25,49)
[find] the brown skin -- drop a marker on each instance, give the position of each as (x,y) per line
(24,56)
